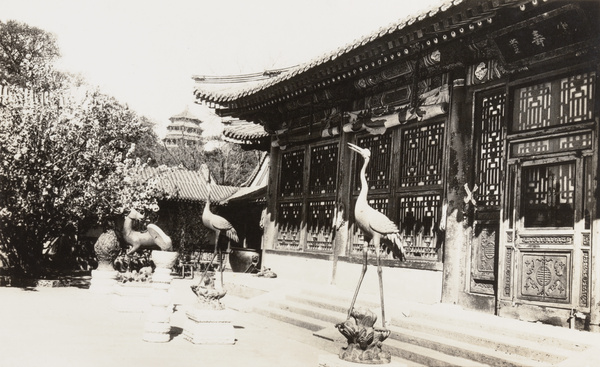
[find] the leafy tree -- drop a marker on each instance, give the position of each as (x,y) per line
(66,165)
(228,163)
(190,157)
(26,57)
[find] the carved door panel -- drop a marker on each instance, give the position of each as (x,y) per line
(484,248)
(547,211)
(485,192)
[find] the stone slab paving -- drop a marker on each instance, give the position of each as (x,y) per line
(74,327)
(70,326)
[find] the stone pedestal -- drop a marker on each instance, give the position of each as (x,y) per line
(158,318)
(205,326)
(107,249)
(332,360)
(132,297)
(103,281)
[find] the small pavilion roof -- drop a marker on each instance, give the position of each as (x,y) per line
(186,185)
(185,115)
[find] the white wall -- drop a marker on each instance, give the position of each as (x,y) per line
(411,285)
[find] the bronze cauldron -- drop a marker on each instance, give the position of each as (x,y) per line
(244,260)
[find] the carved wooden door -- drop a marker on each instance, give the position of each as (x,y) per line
(485,195)
(549,247)
(551,152)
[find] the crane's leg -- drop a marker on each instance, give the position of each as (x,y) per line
(221,264)
(380,275)
(362,275)
(211,260)
(222,258)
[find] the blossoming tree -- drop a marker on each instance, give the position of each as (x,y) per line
(66,164)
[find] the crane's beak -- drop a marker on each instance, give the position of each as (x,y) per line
(355,148)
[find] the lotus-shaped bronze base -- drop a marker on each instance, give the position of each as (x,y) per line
(208,296)
(364,340)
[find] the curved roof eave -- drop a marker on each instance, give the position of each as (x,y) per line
(234,95)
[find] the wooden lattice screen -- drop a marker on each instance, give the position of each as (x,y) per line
(419,217)
(291,179)
(320,225)
(378,170)
(562,101)
(322,187)
(323,169)
(421,163)
(290,222)
(491,140)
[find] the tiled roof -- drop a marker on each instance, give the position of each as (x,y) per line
(230,95)
(186,123)
(186,185)
(260,175)
(254,193)
(407,38)
(245,133)
(255,188)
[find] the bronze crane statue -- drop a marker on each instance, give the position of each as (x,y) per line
(375,226)
(217,224)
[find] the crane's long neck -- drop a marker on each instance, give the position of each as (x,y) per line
(207,206)
(364,186)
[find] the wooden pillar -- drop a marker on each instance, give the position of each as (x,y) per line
(595,243)
(342,236)
(270,220)
(458,145)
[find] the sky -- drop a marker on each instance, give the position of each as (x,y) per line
(145,52)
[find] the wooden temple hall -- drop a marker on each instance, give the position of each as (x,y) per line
(482,121)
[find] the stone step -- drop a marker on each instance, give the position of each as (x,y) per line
(464,349)
(548,335)
(289,317)
(444,318)
(526,350)
(512,343)
(426,356)
(469,349)
(331,317)
(301,334)
(409,353)
(430,335)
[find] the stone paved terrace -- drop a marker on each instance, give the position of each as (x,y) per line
(70,326)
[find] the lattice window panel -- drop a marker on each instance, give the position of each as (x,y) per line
(320,225)
(577,98)
(323,169)
(422,151)
(562,101)
(378,170)
(290,224)
(532,107)
(358,239)
(548,195)
(489,166)
(418,218)
(557,144)
(292,168)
